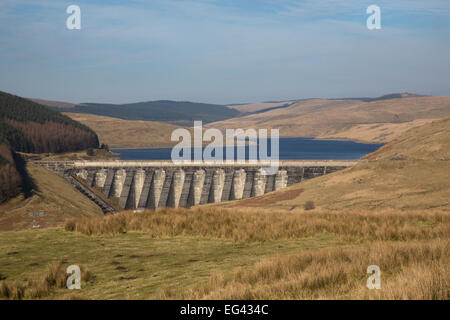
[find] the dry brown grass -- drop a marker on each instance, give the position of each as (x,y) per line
(428,142)
(41,286)
(119,133)
(259,225)
(340,118)
(409,173)
(374,133)
(408,271)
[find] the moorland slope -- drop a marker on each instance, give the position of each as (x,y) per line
(377,120)
(411,172)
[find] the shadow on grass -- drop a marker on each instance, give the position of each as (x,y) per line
(28,184)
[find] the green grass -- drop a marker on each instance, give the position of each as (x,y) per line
(134,265)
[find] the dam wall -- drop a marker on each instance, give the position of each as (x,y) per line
(156,184)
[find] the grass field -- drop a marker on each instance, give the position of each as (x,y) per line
(292,255)
(133,265)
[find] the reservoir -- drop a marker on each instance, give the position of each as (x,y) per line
(290,149)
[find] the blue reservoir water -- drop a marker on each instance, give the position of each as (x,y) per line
(290,149)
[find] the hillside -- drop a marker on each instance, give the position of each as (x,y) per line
(258,106)
(26,126)
(379,120)
(411,172)
(31,127)
(180,113)
(374,133)
(53,103)
(118,133)
(427,142)
(53,201)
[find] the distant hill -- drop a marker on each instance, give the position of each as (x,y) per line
(249,108)
(180,113)
(410,172)
(53,103)
(379,120)
(259,107)
(27,126)
(395,96)
(119,133)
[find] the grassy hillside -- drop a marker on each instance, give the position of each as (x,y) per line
(348,119)
(427,142)
(119,133)
(53,201)
(412,172)
(180,113)
(375,133)
(245,255)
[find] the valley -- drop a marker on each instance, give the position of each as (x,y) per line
(391,207)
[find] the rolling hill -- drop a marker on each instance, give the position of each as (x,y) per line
(119,133)
(53,103)
(180,113)
(377,120)
(411,172)
(258,107)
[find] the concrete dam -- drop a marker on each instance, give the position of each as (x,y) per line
(156,184)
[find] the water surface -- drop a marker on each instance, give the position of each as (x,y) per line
(290,149)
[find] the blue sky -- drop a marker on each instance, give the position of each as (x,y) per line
(222,51)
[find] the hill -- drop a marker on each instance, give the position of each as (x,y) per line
(249,108)
(180,113)
(119,133)
(384,118)
(26,126)
(31,127)
(53,103)
(427,142)
(364,215)
(52,202)
(411,172)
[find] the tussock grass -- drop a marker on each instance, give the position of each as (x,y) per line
(408,271)
(410,247)
(41,286)
(252,225)
(309,205)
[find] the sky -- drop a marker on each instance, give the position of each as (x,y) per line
(223,51)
